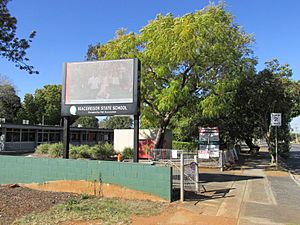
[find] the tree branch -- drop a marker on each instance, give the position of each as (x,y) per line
(155,110)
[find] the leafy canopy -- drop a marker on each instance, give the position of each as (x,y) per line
(182,59)
(11,47)
(42,107)
(9,101)
(86,121)
(116,122)
(242,108)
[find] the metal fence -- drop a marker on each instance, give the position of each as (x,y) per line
(185,166)
(162,155)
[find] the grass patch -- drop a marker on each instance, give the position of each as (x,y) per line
(107,210)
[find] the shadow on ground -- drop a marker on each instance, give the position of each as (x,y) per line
(217,177)
(211,183)
(209,191)
(204,195)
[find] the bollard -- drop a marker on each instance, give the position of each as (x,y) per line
(119,157)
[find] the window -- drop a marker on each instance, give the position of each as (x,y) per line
(75,136)
(13,135)
(31,135)
(92,136)
(25,136)
(105,137)
(84,136)
(39,137)
(9,136)
(43,136)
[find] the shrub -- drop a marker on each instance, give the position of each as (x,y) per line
(127,153)
(81,151)
(42,149)
(73,152)
(188,146)
(103,151)
(56,150)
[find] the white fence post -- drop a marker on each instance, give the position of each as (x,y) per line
(221,158)
(196,172)
(181,177)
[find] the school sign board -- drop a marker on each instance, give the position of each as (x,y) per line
(98,88)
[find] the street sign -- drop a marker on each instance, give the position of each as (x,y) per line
(276,119)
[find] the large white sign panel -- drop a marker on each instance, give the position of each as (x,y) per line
(99,82)
(97,88)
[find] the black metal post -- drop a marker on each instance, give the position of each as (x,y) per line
(66,139)
(136,123)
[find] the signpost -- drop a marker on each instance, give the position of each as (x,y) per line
(276,122)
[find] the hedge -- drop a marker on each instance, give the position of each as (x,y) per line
(188,146)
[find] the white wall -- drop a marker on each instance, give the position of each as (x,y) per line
(124,138)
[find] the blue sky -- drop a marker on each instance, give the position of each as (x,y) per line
(65,28)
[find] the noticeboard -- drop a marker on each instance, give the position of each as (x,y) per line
(209,146)
(98,88)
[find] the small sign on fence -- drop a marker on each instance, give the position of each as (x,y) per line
(174,154)
(203,154)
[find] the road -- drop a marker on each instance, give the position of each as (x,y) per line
(293,162)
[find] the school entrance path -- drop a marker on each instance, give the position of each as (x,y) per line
(253,194)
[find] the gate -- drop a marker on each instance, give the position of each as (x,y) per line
(185,169)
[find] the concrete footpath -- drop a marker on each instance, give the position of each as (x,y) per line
(253,194)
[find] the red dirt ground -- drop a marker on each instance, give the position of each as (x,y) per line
(16,201)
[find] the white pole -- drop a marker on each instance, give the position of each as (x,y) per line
(221,160)
(276,147)
(196,172)
(181,177)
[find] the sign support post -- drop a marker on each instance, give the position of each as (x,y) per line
(66,139)
(276,122)
(136,138)
(276,147)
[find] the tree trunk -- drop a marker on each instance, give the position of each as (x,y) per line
(253,148)
(160,135)
(273,159)
(159,140)
(249,143)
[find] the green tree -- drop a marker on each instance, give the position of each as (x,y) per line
(86,121)
(182,59)
(116,122)
(9,101)
(11,47)
(242,108)
(28,111)
(48,101)
(43,107)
